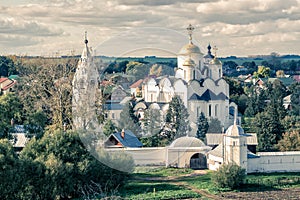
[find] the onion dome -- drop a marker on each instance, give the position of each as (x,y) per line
(189,49)
(187,142)
(189,62)
(235,130)
(215,61)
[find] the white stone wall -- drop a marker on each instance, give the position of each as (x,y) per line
(155,156)
(275,162)
(214,162)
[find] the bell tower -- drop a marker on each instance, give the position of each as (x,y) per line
(85,84)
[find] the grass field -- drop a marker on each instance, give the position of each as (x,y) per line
(171,183)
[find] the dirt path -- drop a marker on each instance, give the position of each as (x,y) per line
(201,192)
(183,184)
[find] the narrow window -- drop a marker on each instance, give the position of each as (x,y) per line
(209,110)
(216,110)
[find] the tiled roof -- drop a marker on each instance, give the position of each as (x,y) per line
(208,95)
(137,84)
(113,106)
(130,140)
(218,151)
(215,139)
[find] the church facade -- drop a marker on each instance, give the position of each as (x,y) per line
(198,81)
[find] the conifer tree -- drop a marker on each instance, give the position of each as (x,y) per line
(202,127)
(128,119)
(177,123)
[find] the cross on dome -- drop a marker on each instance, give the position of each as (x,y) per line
(190,29)
(215,50)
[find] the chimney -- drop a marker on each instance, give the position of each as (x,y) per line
(123,133)
(12,122)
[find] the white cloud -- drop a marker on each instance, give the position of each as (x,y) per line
(228,23)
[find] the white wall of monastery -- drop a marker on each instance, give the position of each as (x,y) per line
(275,162)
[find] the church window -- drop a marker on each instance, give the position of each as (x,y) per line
(220,73)
(197,112)
(209,110)
(184,74)
(216,110)
(194,74)
(113,115)
(151,98)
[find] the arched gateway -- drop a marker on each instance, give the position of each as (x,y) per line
(198,161)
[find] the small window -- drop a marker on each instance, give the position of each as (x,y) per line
(209,110)
(113,115)
(216,110)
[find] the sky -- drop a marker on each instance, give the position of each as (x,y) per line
(149,27)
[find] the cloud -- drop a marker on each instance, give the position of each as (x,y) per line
(29,28)
(61,23)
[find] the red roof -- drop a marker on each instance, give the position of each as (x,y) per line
(137,84)
(3,79)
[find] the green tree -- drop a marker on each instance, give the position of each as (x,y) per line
(137,70)
(7,67)
(109,128)
(276,92)
(229,176)
(10,180)
(268,128)
(295,99)
(290,141)
(214,126)
(255,102)
(70,170)
(46,85)
(177,123)
(128,120)
(152,122)
(11,108)
(35,123)
(202,129)
(262,72)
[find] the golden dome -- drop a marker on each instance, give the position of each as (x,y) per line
(189,49)
(189,62)
(215,61)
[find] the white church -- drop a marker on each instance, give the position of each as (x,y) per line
(198,81)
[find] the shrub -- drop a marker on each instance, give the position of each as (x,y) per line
(229,176)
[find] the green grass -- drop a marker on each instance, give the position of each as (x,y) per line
(272,180)
(153,183)
(161,171)
(155,190)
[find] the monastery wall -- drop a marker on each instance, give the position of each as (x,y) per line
(148,156)
(275,162)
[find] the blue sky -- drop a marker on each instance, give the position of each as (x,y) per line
(139,27)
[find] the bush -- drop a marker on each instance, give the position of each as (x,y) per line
(65,169)
(229,176)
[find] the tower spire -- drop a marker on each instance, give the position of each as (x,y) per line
(85,38)
(190,29)
(235,117)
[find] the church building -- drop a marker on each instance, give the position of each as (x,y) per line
(198,81)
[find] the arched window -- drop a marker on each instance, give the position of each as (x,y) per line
(216,110)
(209,110)
(194,74)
